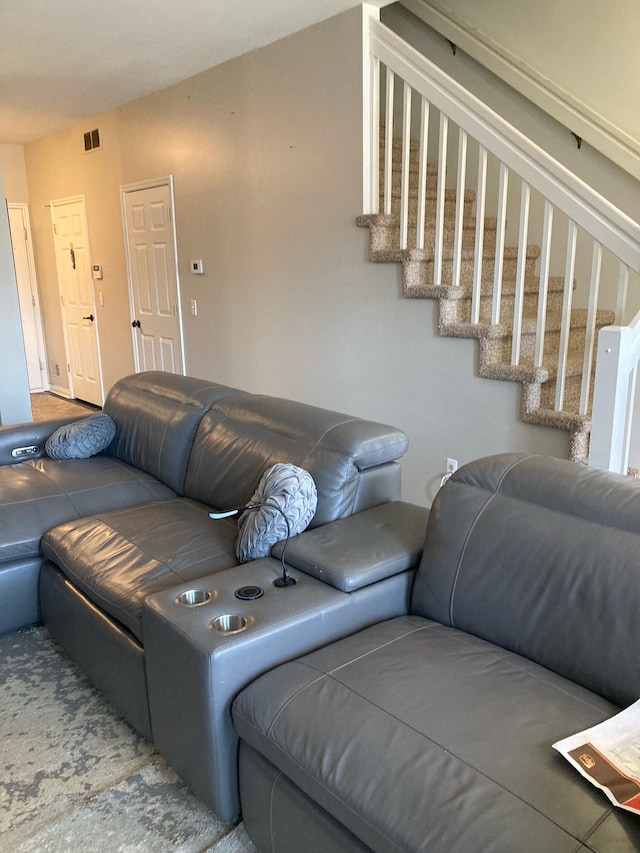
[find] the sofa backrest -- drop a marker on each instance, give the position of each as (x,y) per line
(351,460)
(156,416)
(542,557)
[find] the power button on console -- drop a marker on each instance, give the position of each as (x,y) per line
(17,452)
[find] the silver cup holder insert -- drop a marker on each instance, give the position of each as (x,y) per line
(194,597)
(230,623)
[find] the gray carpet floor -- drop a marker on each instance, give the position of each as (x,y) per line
(76,777)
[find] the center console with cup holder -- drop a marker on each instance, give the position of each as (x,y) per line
(204,642)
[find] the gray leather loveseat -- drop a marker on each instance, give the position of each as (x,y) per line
(433,731)
(118,556)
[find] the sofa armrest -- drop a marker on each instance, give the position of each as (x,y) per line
(28,438)
(362,549)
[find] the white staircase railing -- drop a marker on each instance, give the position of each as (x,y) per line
(507,172)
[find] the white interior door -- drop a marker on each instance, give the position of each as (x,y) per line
(75,282)
(32,328)
(153,276)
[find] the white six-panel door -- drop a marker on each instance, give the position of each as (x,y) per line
(75,282)
(153,276)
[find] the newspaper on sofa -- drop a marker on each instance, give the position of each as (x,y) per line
(608,755)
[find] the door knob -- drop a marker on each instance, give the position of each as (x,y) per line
(136,324)
(90,317)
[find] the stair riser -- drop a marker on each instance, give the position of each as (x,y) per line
(572,392)
(419,273)
(507,307)
(577,338)
(387,239)
(430,208)
(431,185)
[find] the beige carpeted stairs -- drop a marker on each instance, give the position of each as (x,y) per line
(454,303)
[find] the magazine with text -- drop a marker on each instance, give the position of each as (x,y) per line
(608,755)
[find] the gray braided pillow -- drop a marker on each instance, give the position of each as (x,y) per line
(288,487)
(81,439)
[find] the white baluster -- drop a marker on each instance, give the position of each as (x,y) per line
(422,171)
(503,188)
(440,196)
(388,141)
(406,166)
(545,263)
(518,306)
(374,137)
(570,266)
(623,286)
(459,222)
(590,335)
(481,196)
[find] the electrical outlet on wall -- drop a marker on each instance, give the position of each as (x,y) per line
(452,465)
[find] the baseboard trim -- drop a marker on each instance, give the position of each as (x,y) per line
(59,391)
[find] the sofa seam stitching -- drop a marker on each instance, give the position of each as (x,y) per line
(479,514)
(458,758)
(315,781)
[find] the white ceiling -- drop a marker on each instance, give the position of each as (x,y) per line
(62,61)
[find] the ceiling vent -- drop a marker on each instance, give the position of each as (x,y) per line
(92,140)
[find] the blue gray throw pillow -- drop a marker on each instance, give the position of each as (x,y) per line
(282,487)
(81,439)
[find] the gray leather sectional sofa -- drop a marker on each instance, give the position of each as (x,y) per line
(118,556)
(433,731)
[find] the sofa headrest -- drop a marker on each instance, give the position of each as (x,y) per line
(240,437)
(542,557)
(156,416)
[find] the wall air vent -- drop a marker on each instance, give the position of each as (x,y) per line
(92,140)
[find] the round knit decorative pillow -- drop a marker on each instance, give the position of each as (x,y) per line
(283,488)
(81,439)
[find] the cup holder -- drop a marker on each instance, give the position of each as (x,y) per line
(194,597)
(230,623)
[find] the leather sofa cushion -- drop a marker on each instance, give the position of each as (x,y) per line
(416,736)
(157,415)
(41,493)
(119,558)
(240,437)
(540,556)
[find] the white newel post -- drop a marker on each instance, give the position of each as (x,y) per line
(614,395)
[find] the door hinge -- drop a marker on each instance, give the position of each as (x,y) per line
(55,229)
(26,236)
(170,214)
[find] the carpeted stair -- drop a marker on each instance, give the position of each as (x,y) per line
(454,303)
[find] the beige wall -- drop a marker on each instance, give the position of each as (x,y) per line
(266,154)
(58,167)
(14,173)
(575,59)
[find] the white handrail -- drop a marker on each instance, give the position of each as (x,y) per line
(586,207)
